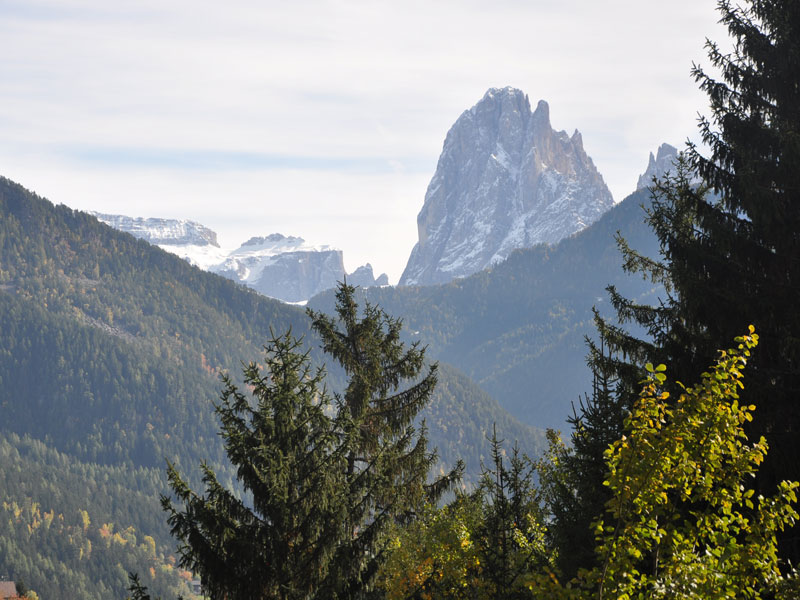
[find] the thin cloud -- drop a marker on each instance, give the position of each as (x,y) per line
(365,91)
(215,160)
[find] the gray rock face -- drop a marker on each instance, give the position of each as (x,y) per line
(505,180)
(294,276)
(161,231)
(283,267)
(658,165)
(364,277)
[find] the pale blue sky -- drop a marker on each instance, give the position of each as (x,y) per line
(322,119)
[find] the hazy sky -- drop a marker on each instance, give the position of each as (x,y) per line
(322,119)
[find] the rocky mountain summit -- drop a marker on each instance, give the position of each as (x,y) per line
(505,180)
(658,166)
(161,231)
(283,267)
(363,276)
(279,266)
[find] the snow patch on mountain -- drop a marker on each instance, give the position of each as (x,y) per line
(248,262)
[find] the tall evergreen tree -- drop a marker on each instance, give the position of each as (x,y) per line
(572,477)
(731,246)
(386,460)
(744,263)
(671,332)
(277,541)
(511,534)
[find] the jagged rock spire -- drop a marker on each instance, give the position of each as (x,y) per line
(658,165)
(505,180)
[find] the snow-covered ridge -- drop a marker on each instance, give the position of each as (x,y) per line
(277,243)
(505,180)
(279,266)
(161,231)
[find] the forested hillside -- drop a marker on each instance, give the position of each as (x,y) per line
(679,477)
(110,353)
(518,329)
(71,529)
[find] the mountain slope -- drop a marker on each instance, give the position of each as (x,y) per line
(518,328)
(117,325)
(109,355)
(505,180)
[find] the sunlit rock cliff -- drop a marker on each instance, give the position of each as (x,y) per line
(505,180)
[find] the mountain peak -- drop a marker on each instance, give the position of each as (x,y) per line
(507,91)
(542,113)
(505,180)
(658,166)
(161,231)
(364,277)
(502,100)
(274,239)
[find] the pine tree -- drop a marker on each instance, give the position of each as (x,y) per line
(386,462)
(574,486)
(277,540)
(738,260)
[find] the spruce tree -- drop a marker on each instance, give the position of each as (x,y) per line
(572,477)
(743,265)
(278,539)
(510,538)
(730,244)
(739,260)
(670,330)
(386,460)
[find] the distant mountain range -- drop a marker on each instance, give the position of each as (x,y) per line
(278,266)
(514,314)
(505,180)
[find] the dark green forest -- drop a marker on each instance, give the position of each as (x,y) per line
(110,355)
(73,529)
